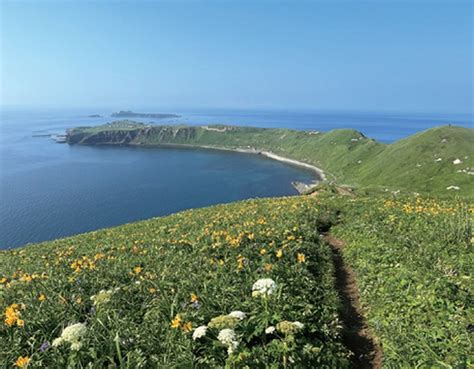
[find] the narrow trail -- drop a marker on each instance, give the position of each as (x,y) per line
(356,335)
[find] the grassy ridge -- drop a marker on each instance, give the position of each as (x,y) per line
(142,289)
(419,163)
(414,261)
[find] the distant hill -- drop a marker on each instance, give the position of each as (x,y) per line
(131,114)
(439,160)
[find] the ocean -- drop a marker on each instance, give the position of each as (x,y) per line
(50,190)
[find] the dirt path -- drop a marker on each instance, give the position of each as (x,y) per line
(356,336)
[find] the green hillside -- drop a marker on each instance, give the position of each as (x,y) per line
(142,289)
(420,163)
(135,296)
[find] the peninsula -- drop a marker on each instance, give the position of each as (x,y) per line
(439,160)
(131,114)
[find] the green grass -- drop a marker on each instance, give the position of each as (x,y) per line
(414,262)
(413,259)
(184,269)
(346,155)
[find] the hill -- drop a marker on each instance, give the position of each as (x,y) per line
(250,284)
(437,161)
(140,292)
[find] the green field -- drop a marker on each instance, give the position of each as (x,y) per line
(164,277)
(142,289)
(414,262)
(437,161)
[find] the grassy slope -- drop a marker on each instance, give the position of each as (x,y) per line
(411,161)
(347,155)
(414,262)
(215,253)
(413,258)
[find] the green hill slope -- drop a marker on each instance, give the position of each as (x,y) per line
(140,291)
(420,163)
(426,162)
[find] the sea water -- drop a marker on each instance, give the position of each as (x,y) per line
(50,190)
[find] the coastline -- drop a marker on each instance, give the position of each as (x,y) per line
(300,187)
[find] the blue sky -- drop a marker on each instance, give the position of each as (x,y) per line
(344,55)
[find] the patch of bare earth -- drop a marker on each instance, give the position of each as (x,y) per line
(356,334)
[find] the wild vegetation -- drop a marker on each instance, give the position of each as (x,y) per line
(243,285)
(248,284)
(414,263)
(436,161)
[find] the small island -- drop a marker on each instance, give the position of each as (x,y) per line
(94,116)
(131,114)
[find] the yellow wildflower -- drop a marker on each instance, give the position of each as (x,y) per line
(263,251)
(41,297)
(137,270)
(187,327)
(26,278)
(240,262)
(301,258)
(152,290)
(279,254)
(194,297)
(22,361)
(267,267)
(176,322)
(12,316)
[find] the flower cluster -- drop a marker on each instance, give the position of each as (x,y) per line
(228,338)
(178,322)
(22,362)
(12,315)
(103,297)
(289,328)
(263,287)
(72,334)
(199,332)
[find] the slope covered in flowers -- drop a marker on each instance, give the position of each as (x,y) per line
(414,261)
(242,284)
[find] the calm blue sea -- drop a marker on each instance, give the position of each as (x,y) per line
(50,190)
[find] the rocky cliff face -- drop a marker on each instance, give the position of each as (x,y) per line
(145,135)
(102,138)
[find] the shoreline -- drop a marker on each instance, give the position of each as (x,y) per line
(299,186)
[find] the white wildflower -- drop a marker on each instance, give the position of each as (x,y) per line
(199,332)
(298,325)
(238,314)
(72,334)
(262,287)
(103,297)
(270,330)
(457,161)
(228,338)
